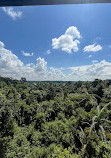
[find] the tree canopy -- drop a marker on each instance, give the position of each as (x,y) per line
(55,119)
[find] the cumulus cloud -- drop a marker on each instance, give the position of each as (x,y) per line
(7,58)
(27,54)
(41,66)
(13,14)
(73,31)
(68,42)
(12,66)
(1,44)
(92,48)
(101,70)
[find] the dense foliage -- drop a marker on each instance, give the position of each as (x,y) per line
(55,119)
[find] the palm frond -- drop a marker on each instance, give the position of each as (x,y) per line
(102,110)
(107,121)
(85,123)
(93,119)
(103,132)
(92,126)
(98,110)
(82,135)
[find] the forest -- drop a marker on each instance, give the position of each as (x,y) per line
(55,119)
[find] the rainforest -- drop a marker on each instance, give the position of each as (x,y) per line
(51,119)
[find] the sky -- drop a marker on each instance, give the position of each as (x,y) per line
(59,42)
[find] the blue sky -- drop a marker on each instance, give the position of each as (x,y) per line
(61,42)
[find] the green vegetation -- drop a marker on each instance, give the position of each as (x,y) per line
(55,119)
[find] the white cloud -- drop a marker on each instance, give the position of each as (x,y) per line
(27,54)
(13,14)
(66,41)
(12,66)
(8,59)
(1,44)
(100,70)
(48,52)
(90,56)
(95,61)
(30,65)
(92,48)
(41,65)
(73,31)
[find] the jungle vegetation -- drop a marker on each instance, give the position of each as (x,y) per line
(55,119)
